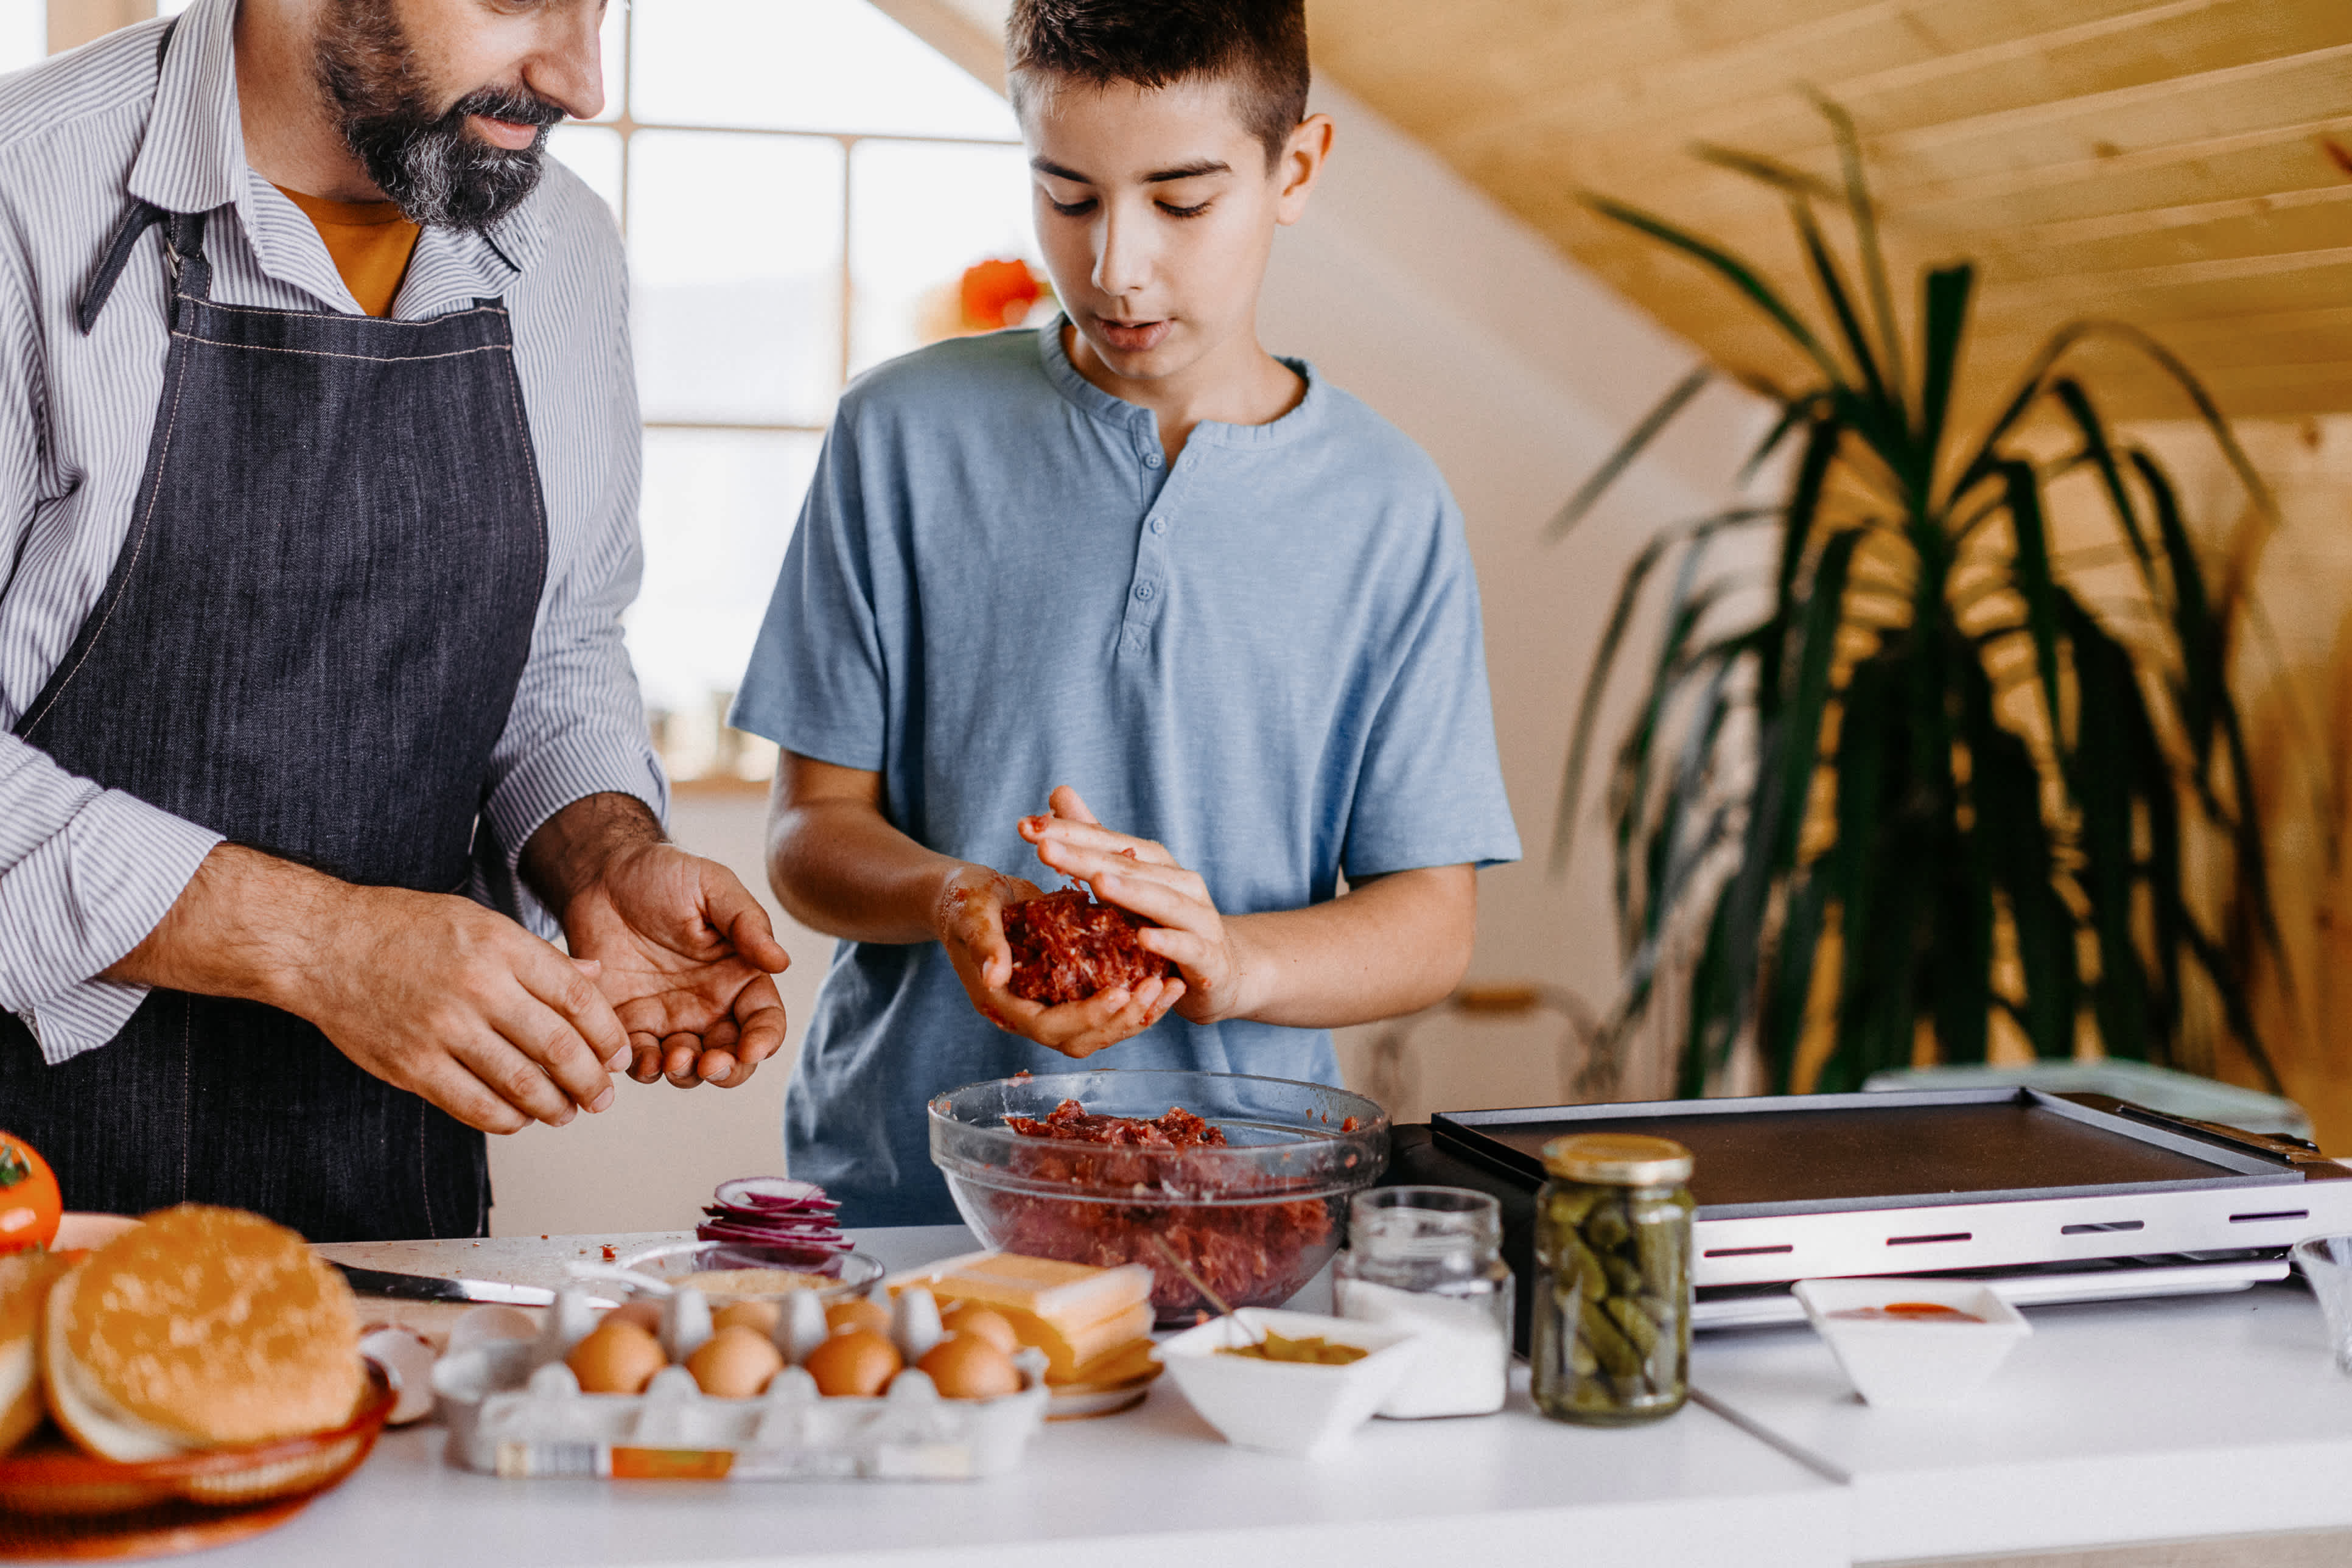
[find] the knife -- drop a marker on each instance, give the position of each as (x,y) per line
(429,1287)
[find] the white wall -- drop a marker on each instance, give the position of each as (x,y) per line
(1517,371)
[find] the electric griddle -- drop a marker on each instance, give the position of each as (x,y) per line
(2048,1197)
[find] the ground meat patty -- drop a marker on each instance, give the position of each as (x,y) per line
(1067,948)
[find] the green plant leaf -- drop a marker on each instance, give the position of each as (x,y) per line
(1832,285)
(1737,273)
(2101,454)
(2034,581)
(1587,494)
(1605,660)
(1866,231)
(1943,318)
(1766,171)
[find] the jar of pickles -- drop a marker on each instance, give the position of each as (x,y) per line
(1610,1340)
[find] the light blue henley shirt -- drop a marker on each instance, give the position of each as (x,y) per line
(1266,656)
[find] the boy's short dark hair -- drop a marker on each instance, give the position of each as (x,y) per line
(1258,45)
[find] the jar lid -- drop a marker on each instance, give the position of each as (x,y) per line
(1618,1158)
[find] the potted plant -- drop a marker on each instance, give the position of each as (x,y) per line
(1927,770)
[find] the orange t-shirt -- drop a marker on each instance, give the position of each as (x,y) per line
(371,243)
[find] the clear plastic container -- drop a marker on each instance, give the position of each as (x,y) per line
(1257,1218)
(1430,1258)
(1610,1345)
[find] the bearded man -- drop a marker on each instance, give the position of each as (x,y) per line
(318,458)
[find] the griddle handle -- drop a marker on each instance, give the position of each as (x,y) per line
(2276,1145)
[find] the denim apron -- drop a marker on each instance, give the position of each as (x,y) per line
(309,645)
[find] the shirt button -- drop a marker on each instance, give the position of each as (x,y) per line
(1144,591)
(1151,459)
(1159,525)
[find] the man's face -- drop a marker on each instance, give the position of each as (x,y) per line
(1156,211)
(446,103)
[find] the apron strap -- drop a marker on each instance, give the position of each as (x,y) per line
(135,221)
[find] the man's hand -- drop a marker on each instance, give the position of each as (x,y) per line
(429,992)
(685,951)
(1143,879)
(970,923)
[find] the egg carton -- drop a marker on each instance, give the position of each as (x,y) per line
(514,1409)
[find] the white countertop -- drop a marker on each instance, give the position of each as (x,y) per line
(2118,1422)
(2115,1423)
(1513,1487)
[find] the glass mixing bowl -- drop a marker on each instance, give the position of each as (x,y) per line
(1254,1219)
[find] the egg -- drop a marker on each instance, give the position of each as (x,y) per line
(736,1363)
(858,1363)
(969,1317)
(646,1315)
(966,1366)
(761,1317)
(618,1357)
(858,1312)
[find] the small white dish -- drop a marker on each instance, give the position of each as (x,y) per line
(1911,1363)
(1286,1407)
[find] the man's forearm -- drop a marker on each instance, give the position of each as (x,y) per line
(839,867)
(243,927)
(1388,947)
(570,849)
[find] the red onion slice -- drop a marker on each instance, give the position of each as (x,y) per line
(771,1193)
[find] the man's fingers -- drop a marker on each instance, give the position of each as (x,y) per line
(679,1053)
(646,1059)
(559,985)
(730,907)
(760,1022)
(511,1074)
(550,1039)
(456,1089)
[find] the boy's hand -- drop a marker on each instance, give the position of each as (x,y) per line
(1143,879)
(969,920)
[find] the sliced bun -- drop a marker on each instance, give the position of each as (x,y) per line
(24,1281)
(203,1328)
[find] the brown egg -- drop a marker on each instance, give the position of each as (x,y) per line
(618,1357)
(855,1362)
(969,1317)
(646,1315)
(736,1363)
(966,1366)
(858,1312)
(759,1316)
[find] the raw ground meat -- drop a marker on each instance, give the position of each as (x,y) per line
(1252,1254)
(1069,1122)
(1067,948)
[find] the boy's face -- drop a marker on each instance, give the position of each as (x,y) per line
(1156,211)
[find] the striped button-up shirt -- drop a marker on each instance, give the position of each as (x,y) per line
(86,872)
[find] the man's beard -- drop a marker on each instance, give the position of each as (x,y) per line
(438,173)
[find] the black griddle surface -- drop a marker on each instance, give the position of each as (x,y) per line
(1860,1154)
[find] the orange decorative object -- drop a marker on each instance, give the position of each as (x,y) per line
(29,1204)
(997,294)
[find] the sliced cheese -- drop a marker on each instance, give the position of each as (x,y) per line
(1069,1294)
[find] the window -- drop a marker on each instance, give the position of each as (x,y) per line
(799,182)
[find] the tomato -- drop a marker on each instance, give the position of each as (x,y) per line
(29,1204)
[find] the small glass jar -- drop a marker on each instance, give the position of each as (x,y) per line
(1430,1258)
(1610,1345)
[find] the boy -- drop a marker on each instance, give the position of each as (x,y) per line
(1134,568)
